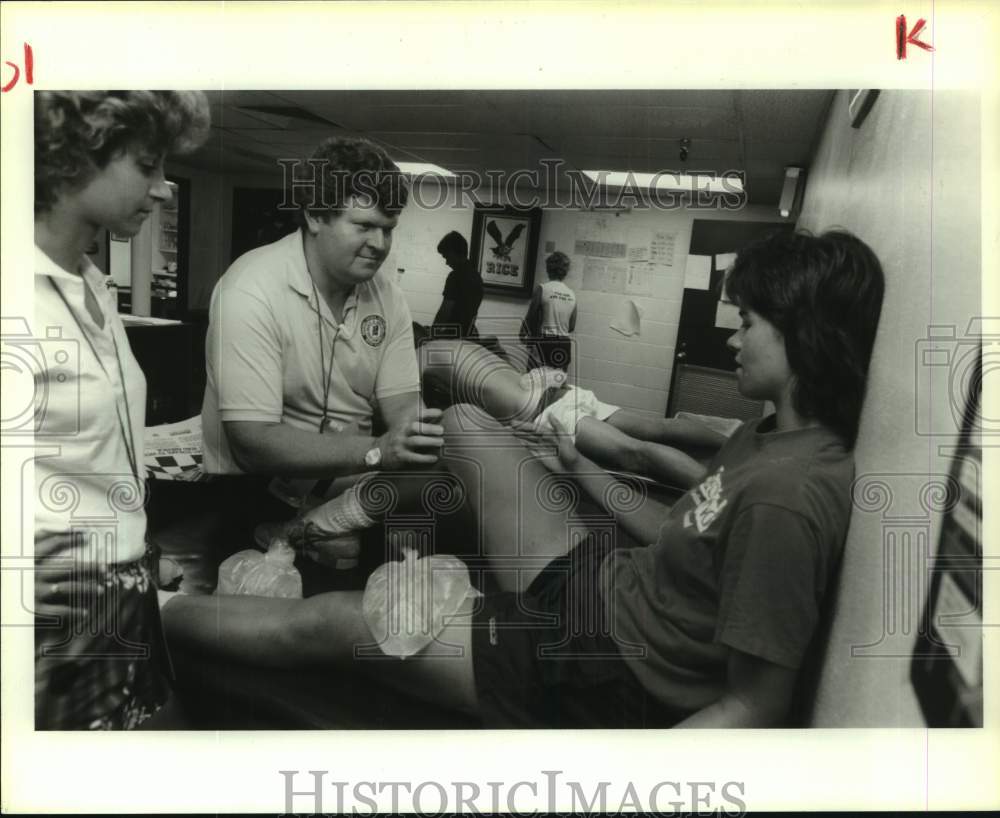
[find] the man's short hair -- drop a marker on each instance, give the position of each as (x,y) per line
(824,294)
(557,265)
(77,133)
(344,167)
(453,244)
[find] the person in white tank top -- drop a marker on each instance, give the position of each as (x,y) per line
(551,317)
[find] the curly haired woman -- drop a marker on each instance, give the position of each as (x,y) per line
(100,660)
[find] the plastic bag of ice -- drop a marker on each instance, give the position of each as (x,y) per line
(255,573)
(407,603)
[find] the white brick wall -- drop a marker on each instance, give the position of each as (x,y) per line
(631,372)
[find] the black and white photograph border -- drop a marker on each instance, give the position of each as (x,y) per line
(913,179)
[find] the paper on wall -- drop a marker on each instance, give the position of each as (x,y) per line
(616,274)
(638,282)
(601,275)
(661,248)
(600,249)
(723,261)
(629,319)
(698,272)
(638,244)
(727,315)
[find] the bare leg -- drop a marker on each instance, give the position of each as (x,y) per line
(679,432)
(322,630)
(603,443)
(522,508)
(477,376)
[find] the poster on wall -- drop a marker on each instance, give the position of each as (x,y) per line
(504,246)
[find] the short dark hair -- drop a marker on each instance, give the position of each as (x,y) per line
(557,265)
(824,294)
(77,133)
(347,167)
(453,244)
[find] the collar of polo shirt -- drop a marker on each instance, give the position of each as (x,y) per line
(300,281)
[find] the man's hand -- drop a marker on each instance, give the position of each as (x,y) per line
(322,546)
(414,442)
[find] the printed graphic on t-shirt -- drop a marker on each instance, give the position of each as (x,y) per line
(373,330)
(709,502)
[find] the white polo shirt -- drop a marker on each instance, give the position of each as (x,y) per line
(263,357)
(85,443)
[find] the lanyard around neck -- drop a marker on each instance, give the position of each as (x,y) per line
(124,424)
(325,370)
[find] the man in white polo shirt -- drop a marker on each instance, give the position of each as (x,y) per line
(305,343)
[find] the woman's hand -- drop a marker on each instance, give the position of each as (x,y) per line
(569,455)
(554,449)
(66,591)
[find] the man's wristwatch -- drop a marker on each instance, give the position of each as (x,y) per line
(373,457)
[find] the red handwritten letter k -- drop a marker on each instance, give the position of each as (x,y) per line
(902,38)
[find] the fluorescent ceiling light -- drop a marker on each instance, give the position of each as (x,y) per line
(667,180)
(418,168)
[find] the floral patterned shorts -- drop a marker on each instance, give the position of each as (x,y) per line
(110,671)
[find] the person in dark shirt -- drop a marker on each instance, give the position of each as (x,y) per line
(463,291)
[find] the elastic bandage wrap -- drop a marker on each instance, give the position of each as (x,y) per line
(539,385)
(408,603)
(343,514)
(575,404)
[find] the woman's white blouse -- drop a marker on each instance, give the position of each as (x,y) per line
(84,477)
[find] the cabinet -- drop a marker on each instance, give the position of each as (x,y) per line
(165,354)
(169,254)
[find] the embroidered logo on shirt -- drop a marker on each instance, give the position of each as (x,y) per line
(373,330)
(709,502)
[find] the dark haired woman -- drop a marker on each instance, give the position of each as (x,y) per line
(708,624)
(99,659)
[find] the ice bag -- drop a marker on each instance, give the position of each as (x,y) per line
(253,573)
(407,604)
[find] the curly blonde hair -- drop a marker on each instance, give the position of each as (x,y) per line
(78,132)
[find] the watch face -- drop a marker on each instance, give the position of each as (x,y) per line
(373,457)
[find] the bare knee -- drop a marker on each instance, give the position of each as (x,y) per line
(325,628)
